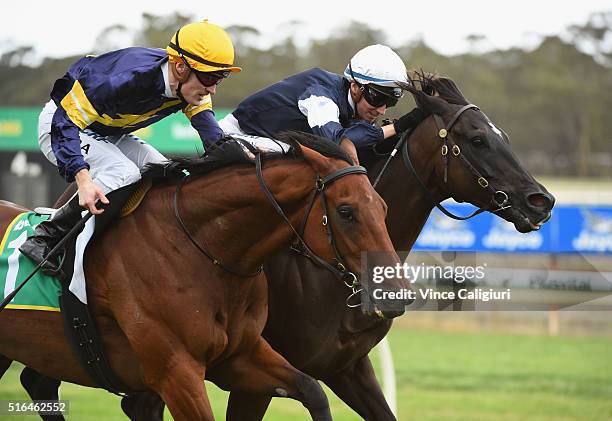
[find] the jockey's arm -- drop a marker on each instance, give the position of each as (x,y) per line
(66,147)
(89,192)
(207,127)
(323,118)
(202,119)
(388,131)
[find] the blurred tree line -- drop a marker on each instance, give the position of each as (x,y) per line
(552,100)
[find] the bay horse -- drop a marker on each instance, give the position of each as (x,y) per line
(168,316)
(309,322)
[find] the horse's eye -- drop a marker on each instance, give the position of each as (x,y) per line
(346,213)
(478,142)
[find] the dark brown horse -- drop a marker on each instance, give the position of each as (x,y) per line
(168,316)
(309,322)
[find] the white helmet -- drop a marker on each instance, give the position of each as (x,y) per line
(376,64)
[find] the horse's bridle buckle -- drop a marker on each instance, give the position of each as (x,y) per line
(483,182)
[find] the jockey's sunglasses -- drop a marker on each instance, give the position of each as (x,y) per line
(209,79)
(378,96)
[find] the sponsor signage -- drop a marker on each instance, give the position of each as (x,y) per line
(571,229)
(173,134)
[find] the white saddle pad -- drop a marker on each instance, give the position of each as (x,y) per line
(45,211)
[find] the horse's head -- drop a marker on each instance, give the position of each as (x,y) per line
(346,220)
(473,160)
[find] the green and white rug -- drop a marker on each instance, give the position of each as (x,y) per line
(42,291)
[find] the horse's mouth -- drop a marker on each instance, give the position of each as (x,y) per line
(387,314)
(525,224)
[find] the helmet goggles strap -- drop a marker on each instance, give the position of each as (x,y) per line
(207,79)
(374,97)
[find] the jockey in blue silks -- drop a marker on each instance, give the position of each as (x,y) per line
(342,108)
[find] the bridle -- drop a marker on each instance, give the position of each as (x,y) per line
(340,269)
(321,183)
(499,199)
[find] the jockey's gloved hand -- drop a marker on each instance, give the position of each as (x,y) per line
(409,120)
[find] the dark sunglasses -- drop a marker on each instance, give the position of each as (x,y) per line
(209,79)
(377,98)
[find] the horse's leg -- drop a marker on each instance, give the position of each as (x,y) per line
(358,388)
(246,406)
(179,380)
(41,387)
(143,406)
(264,372)
(184,393)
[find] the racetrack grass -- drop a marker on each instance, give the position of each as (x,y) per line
(454,376)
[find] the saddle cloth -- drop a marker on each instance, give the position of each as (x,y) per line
(42,291)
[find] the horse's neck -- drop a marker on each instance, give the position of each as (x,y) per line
(229,212)
(409,207)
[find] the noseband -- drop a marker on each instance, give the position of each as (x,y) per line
(499,199)
(340,268)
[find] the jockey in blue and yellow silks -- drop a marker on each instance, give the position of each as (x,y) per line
(86,127)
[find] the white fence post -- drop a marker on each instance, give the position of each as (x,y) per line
(388,374)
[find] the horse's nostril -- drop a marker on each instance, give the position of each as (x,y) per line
(540,200)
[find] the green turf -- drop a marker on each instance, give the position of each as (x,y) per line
(454,376)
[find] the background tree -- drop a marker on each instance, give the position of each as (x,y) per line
(553,100)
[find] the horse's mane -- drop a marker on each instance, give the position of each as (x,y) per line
(319,144)
(229,151)
(422,86)
(423,83)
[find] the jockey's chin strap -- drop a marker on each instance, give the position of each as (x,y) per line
(499,199)
(340,268)
(180,79)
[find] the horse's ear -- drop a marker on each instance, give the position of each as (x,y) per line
(431,104)
(320,163)
(434,104)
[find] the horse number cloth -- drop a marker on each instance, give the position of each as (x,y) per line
(41,292)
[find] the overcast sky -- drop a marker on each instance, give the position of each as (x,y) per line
(60,28)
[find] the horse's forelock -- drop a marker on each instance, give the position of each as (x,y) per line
(448,90)
(430,83)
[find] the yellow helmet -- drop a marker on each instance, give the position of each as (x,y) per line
(204,47)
